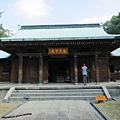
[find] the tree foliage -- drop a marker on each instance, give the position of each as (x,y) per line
(113,25)
(1,14)
(3,32)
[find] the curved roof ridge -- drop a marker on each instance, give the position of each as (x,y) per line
(59,26)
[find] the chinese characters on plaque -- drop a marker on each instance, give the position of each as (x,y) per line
(57,51)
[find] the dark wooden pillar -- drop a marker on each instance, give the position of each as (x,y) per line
(40,69)
(108,69)
(72,70)
(109,74)
(75,69)
(20,70)
(97,68)
(45,69)
(12,70)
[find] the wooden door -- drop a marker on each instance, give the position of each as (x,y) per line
(34,70)
(31,70)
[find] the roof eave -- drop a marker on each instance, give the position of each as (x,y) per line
(60,38)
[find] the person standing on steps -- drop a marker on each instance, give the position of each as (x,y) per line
(84,70)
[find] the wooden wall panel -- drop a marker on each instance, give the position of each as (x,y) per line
(14,70)
(4,75)
(103,69)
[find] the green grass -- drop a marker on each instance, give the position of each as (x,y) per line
(111,109)
(6,107)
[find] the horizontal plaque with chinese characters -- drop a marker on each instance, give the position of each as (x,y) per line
(57,51)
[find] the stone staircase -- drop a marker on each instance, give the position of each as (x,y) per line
(55,93)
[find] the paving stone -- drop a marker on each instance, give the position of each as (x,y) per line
(63,115)
(63,118)
(55,110)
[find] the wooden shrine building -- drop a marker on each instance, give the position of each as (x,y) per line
(55,53)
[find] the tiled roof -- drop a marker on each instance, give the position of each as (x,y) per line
(116,52)
(60,32)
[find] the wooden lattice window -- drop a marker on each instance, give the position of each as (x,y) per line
(6,70)
(114,68)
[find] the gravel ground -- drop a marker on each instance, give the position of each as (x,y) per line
(111,109)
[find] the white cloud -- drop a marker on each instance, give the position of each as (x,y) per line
(101,19)
(95,19)
(32,8)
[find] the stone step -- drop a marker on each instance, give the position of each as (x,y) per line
(33,94)
(58,94)
(57,91)
(31,98)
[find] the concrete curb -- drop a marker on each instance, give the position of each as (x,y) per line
(5,114)
(5,87)
(106,93)
(103,116)
(5,99)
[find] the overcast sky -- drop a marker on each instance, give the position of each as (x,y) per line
(30,12)
(22,12)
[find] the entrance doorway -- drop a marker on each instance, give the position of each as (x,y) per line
(59,71)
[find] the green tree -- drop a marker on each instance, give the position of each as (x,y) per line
(113,25)
(3,32)
(1,14)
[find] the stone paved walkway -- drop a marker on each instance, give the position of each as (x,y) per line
(55,110)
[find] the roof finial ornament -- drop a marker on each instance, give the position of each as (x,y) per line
(19,27)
